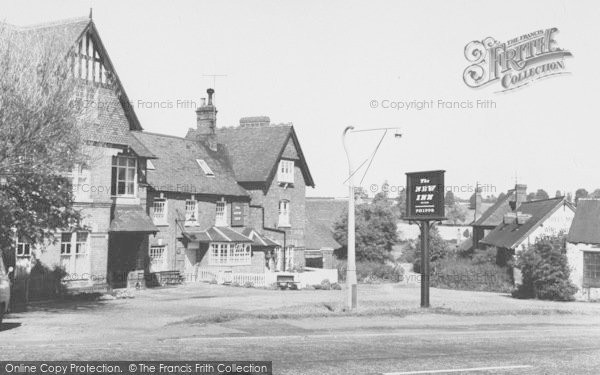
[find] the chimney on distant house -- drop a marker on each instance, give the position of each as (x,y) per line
(478,203)
(520,196)
(254,122)
(206,120)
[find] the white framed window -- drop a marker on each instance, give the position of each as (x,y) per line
(158,257)
(74,251)
(159,211)
(284,213)
(23,248)
(205,168)
(124,176)
(286,171)
(221,214)
(191,212)
(230,254)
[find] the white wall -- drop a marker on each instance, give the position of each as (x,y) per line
(575,258)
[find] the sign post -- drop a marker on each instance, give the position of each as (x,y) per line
(425,204)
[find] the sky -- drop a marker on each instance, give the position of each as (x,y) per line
(325,65)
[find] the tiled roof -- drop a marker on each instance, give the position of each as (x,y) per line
(321,216)
(586,223)
(177,170)
(509,235)
(259,239)
(60,34)
(494,215)
(255,151)
(131,219)
(217,234)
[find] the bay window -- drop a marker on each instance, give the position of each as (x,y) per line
(229,254)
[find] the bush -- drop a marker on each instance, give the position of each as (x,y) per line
(368,272)
(336,286)
(465,274)
(213,281)
(545,271)
(235,284)
(326,284)
(248,284)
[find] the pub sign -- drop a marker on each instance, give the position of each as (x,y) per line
(425,195)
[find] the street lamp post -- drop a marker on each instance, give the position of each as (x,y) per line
(351,281)
(351,269)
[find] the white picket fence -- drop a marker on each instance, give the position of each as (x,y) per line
(310,276)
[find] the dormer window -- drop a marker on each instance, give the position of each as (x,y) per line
(149,165)
(286,172)
(205,168)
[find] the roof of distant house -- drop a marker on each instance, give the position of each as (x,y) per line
(177,168)
(509,235)
(494,214)
(321,216)
(586,223)
(255,151)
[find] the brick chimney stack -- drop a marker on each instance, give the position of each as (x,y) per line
(520,196)
(478,203)
(206,120)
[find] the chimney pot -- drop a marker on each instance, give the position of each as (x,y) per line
(210,93)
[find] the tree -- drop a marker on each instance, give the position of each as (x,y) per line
(595,194)
(40,139)
(545,270)
(580,193)
(449,199)
(558,194)
(530,197)
(438,249)
(541,194)
(569,197)
(401,203)
(472,201)
(456,213)
(375,232)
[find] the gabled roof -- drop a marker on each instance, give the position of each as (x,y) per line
(586,223)
(510,235)
(63,36)
(216,234)
(259,239)
(494,215)
(176,168)
(255,151)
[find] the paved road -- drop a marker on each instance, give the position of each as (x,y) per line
(484,333)
(533,345)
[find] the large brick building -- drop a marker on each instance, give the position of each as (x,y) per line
(231,198)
